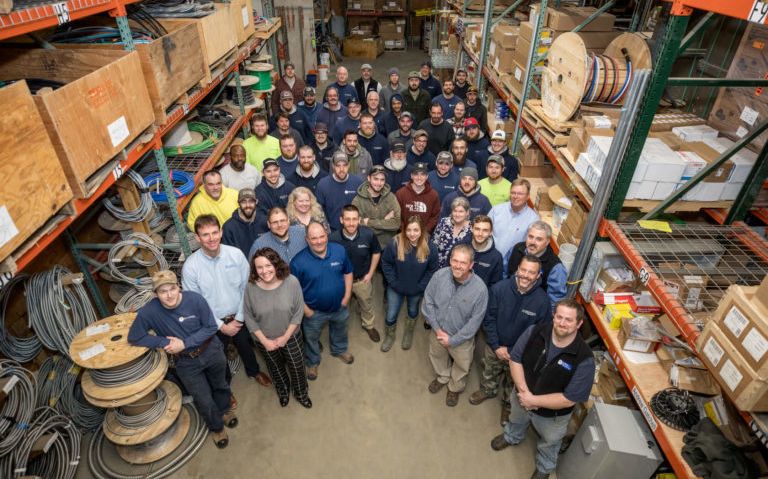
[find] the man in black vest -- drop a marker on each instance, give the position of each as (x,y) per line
(366,84)
(553,272)
(553,369)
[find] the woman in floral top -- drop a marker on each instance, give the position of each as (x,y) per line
(452,230)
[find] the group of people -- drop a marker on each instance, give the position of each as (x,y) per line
(294,227)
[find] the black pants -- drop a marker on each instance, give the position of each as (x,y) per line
(286,367)
(203,378)
(242,341)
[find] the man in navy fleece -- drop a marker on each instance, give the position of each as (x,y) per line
(337,189)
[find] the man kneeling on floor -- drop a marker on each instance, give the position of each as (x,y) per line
(553,369)
(185,327)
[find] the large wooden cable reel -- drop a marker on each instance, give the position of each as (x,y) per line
(572,72)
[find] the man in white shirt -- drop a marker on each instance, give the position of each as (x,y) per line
(238,174)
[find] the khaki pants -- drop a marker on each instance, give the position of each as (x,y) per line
(451,364)
(363,292)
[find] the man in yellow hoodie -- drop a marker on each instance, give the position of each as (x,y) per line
(213,199)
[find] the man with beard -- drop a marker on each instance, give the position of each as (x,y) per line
(439,132)
(553,273)
(460,158)
(427,81)
(392,87)
(488,261)
(513,218)
(370,139)
(307,174)
(283,128)
(377,112)
(468,188)
(260,145)
(337,189)
(461,85)
(349,122)
(309,106)
(289,157)
(238,174)
(333,111)
(447,99)
(397,167)
(417,198)
(212,199)
(288,82)
(296,118)
(475,138)
(443,178)
(242,229)
(392,118)
(285,239)
(418,152)
(553,369)
(274,188)
(416,99)
(494,186)
(498,147)
(366,84)
(514,304)
(475,108)
(323,147)
(360,161)
(378,206)
(346,91)
(404,132)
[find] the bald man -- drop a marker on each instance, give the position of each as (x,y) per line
(346,90)
(239,174)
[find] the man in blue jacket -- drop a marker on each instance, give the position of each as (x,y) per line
(443,178)
(427,81)
(245,225)
(309,106)
(337,189)
(514,304)
(469,189)
(346,90)
(349,122)
(553,272)
(489,264)
(274,189)
(374,142)
(333,109)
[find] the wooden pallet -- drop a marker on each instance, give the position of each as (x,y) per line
(555,138)
(220,67)
(536,110)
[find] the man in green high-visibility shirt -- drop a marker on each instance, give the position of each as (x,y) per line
(260,146)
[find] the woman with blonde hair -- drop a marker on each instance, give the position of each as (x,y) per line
(408,263)
(303,207)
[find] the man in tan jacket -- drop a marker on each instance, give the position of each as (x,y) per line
(379,209)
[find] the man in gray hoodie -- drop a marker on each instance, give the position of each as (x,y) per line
(392,87)
(360,161)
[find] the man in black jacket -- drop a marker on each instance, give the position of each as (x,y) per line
(553,369)
(323,147)
(245,225)
(366,84)
(439,132)
(475,108)
(416,100)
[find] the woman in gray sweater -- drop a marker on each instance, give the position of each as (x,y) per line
(274,307)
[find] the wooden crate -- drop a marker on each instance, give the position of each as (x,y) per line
(35,186)
(172,65)
(217,36)
(359,47)
(241,12)
(102,107)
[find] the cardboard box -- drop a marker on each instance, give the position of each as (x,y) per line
(742,161)
(361,5)
(532,156)
(744,321)
(357,47)
(505,35)
(363,27)
(688,289)
(698,381)
(241,12)
(522,49)
(628,342)
(542,171)
(502,59)
(389,36)
(394,44)
(392,5)
(709,154)
(567,18)
(616,280)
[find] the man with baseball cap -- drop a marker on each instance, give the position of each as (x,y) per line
(378,206)
(417,198)
(404,132)
(323,146)
(427,81)
(495,186)
(274,188)
(369,138)
(393,86)
(469,189)
(475,108)
(310,106)
(245,225)
(288,82)
(475,138)
(397,167)
(498,147)
(366,84)
(416,99)
(418,152)
(185,327)
(444,179)
(439,131)
(349,122)
(337,189)
(297,119)
(460,84)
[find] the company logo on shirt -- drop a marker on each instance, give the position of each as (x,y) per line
(448,187)
(365,246)
(529,313)
(484,265)
(182,318)
(378,147)
(335,263)
(417,207)
(564,365)
(350,192)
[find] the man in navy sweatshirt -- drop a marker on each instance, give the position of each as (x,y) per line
(447,100)
(489,264)
(245,225)
(349,122)
(323,147)
(469,189)
(418,152)
(333,110)
(443,178)
(346,90)
(307,174)
(337,189)
(185,328)
(289,158)
(274,189)
(427,81)
(374,142)
(514,304)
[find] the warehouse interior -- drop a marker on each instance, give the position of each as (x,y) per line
(636,127)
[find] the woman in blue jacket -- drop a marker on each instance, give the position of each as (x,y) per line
(408,262)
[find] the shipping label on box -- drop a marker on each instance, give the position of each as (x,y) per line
(745,323)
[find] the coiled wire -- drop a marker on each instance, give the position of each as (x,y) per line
(19,349)
(16,413)
(63,456)
(183,184)
(145,204)
(58,388)
(132,372)
(139,240)
(178,8)
(142,420)
(133,300)
(210,138)
(57,312)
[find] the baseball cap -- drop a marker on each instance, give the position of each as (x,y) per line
(366,66)
(339,156)
(419,167)
(398,146)
(406,113)
(413,74)
(469,171)
(394,71)
(353,100)
(419,133)
(163,277)
(496,159)
(246,193)
(377,169)
(269,162)
(426,63)
(286,94)
(289,64)
(309,91)
(472,89)
(444,157)
(320,126)
(471,121)
(499,135)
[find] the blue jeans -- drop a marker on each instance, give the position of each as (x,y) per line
(204,378)
(395,302)
(550,429)
(337,333)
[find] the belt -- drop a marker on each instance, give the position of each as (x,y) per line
(228,319)
(195,352)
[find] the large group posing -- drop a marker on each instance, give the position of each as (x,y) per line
(320,198)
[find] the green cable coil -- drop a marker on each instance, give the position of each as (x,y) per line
(210,138)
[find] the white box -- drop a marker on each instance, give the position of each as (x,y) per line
(743,161)
(693,164)
(731,191)
(598,148)
(641,190)
(663,164)
(664,189)
(705,192)
(582,165)
(695,132)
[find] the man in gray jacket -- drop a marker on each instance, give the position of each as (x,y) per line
(454,305)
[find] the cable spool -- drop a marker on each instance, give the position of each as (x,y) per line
(262,71)
(58,388)
(142,241)
(574,76)
(21,349)
(246,84)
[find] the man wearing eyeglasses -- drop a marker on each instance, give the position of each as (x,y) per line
(512,218)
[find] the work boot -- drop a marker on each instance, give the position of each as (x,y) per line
(408,333)
(479,396)
(221,439)
(389,337)
(498,443)
(373,335)
(230,420)
(539,475)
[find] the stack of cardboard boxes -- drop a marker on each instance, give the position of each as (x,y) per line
(362,41)
(392,32)
(392,5)
(361,5)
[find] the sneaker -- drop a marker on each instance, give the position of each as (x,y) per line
(498,443)
(452,399)
(221,439)
(478,397)
(346,358)
(539,475)
(435,386)
(373,335)
(312,373)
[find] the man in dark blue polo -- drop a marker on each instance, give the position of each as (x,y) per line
(325,274)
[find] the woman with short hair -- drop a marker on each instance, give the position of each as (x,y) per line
(454,229)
